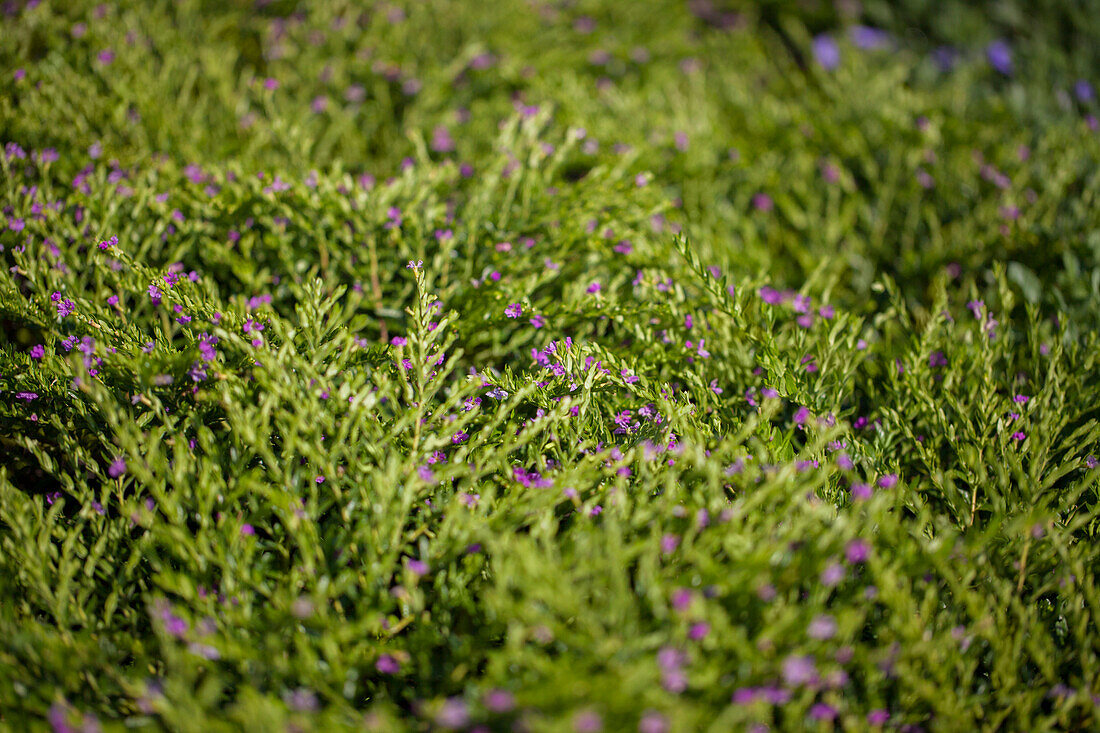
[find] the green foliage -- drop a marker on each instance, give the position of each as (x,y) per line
(546,366)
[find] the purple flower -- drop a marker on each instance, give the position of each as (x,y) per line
(59,719)
(669,543)
(442,142)
(652,722)
(878,717)
(387,664)
(822,627)
(857,551)
(38,351)
(499,701)
(302,699)
(587,721)
(826,52)
(453,714)
(515,310)
(801,416)
(117,467)
(65,307)
(832,575)
(173,624)
(799,670)
(698,631)
(459,437)
(1083,90)
(1000,56)
(27,396)
(394,220)
(744,696)
(888,481)
(868,38)
(822,711)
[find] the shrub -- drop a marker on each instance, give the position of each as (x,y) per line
(546,366)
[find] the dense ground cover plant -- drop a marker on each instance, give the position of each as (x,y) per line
(549,366)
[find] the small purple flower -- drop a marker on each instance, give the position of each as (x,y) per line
(799,670)
(59,719)
(878,717)
(999,54)
(459,437)
(652,722)
(117,467)
(453,714)
(832,575)
(822,711)
(587,721)
(868,38)
(888,481)
(681,598)
(515,310)
(499,701)
(393,221)
(698,631)
(1084,91)
(762,202)
(387,664)
(822,627)
(801,416)
(744,696)
(857,551)
(669,543)
(826,52)
(174,625)
(302,699)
